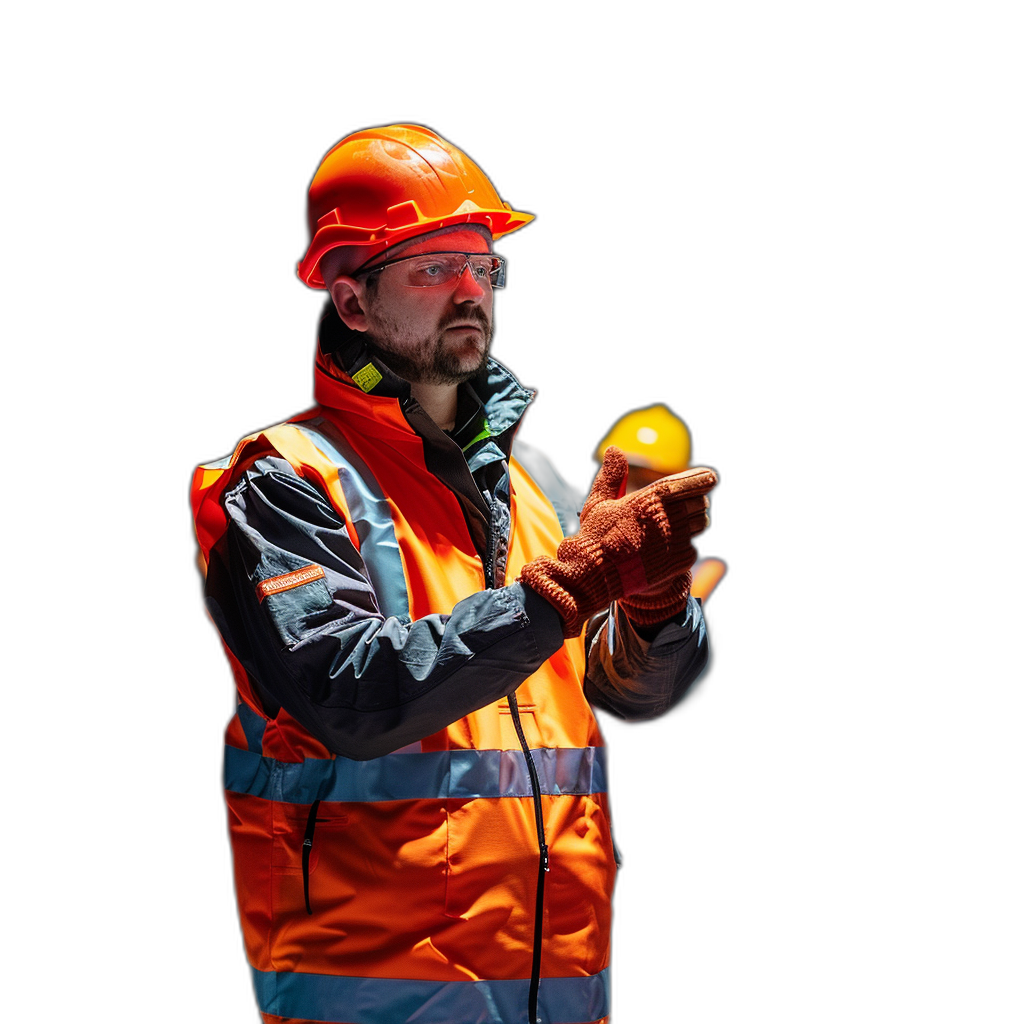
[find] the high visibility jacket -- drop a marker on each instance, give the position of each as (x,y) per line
(416,782)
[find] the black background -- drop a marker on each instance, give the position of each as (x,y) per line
(649,274)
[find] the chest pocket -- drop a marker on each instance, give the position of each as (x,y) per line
(528,720)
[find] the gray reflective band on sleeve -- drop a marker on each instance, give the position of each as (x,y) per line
(433,775)
(325,997)
(371,516)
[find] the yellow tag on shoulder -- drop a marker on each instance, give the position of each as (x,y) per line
(368,377)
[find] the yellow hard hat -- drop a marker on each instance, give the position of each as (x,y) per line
(654,437)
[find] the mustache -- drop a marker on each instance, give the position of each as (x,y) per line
(461,316)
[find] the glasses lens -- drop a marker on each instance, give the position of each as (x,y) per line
(434,269)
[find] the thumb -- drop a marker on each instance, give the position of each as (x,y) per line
(610,481)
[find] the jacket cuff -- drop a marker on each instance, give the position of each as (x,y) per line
(546,622)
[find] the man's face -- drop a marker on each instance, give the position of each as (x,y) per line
(435,335)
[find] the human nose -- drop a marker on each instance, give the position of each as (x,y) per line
(468,288)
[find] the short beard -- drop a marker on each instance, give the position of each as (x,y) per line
(429,363)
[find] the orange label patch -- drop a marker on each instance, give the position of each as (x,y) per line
(290,580)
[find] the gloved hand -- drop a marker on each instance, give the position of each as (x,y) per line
(661,603)
(625,545)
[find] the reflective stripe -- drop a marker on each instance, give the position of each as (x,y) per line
(371,516)
(325,997)
(441,774)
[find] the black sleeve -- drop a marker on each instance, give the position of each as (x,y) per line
(363,684)
(637,678)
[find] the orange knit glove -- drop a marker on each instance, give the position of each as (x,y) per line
(625,545)
(659,604)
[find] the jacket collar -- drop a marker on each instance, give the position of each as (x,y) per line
(348,377)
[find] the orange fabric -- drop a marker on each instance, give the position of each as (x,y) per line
(290,580)
(434,889)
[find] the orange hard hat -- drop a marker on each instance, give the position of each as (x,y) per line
(384,185)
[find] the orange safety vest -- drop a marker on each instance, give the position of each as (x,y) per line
(405,888)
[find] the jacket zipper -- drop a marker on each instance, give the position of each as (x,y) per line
(542,864)
(542,868)
(307,848)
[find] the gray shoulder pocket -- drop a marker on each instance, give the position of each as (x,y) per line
(294,600)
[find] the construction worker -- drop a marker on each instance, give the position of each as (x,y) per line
(656,443)
(416,782)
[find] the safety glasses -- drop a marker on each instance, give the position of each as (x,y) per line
(431,269)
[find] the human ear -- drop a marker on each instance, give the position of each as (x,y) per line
(349,297)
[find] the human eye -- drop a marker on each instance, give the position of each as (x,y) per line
(483,268)
(427,272)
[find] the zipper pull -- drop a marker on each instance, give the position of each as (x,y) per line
(307,849)
(544,856)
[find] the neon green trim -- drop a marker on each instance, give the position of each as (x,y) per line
(485,432)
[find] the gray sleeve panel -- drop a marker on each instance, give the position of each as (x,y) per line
(364,684)
(636,678)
